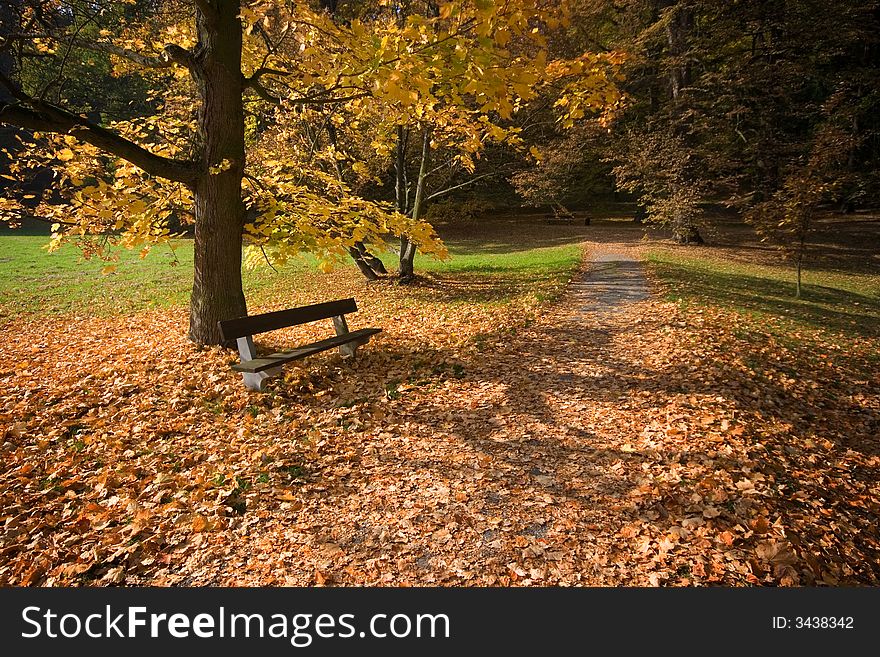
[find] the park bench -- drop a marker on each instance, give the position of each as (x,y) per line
(562,215)
(255,370)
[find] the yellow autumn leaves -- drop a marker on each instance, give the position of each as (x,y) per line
(461,75)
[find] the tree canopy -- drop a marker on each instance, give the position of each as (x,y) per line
(217,139)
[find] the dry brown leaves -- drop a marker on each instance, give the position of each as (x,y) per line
(464,446)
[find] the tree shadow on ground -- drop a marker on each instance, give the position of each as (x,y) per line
(506,406)
(820,307)
(836,244)
(566,450)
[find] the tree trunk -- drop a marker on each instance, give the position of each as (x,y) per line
(362,265)
(377,265)
(686,234)
(401,194)
(678,30)
(407,248)
(369,265)
(640,214)
(406,269)
(219,213)
(217,292)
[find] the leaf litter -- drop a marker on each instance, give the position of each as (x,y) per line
(468,445)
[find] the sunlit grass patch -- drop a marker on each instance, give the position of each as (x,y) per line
(848,303)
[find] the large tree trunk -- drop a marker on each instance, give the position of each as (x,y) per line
(217,292)
(219,213)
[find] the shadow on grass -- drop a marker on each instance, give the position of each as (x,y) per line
(525,233)
(820,307)
(478,287)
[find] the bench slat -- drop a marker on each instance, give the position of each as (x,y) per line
(274,360)
(232,329)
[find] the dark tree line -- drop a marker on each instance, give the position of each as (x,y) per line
(730,102)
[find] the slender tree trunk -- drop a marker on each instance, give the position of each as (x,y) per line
(365,261)
(362,265)
(219,213)
(377,265)
(405,257)
(400,191)
(678,31)
(407,248)
(406,270)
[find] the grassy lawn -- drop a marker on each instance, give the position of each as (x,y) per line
(35,281)
(845,303)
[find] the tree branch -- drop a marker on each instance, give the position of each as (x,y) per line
(324,100)
(171,54)
(264,70)
(464,184)
(146,61)
(45,117)
(440,166)
(315,99)
(174,53)
(261,91)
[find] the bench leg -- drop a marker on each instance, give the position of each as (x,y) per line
(347,350)
(254,380)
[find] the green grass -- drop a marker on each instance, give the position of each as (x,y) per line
(35,281)
(830,301)
(500,276)
(537,260)
(32,279)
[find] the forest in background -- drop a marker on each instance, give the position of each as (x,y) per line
(348,129)
(769,108)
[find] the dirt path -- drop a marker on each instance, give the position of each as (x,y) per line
(522,472)
(613,280)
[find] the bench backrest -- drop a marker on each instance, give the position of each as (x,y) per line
(232,329)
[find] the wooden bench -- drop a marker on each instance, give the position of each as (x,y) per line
(255,370)
(562,216)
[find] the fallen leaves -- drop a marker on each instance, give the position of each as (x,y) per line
(656,446)
(201,523)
